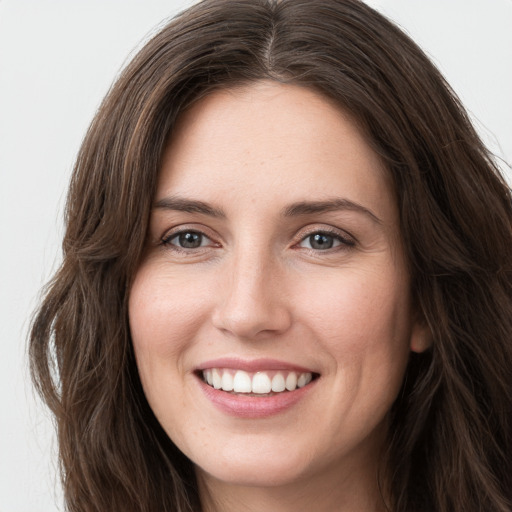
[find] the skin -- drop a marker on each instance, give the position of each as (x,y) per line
(257,288)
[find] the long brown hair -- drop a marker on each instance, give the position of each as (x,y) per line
(450,440)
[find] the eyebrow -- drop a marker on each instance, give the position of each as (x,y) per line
(313,207)
(188,205)
(294,210)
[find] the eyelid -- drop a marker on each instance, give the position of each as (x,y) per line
(346,239)
(168,239)
(170,234)
(342,235)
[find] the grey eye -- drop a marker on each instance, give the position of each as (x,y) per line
(188,240)
(320,241)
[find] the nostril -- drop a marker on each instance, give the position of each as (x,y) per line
(252,321)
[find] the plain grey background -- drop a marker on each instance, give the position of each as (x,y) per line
(57,60)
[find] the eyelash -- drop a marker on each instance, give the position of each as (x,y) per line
(167,241)
(345,242)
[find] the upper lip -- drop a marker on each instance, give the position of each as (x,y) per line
(253,365)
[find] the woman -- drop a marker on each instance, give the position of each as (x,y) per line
(286,277)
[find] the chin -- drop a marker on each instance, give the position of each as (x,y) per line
(251,474)
(267,468)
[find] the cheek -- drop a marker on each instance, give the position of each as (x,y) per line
(364,325)
(360,307)
(363,322)
(160,326)
(163,311)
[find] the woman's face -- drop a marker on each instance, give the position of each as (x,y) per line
(274,265)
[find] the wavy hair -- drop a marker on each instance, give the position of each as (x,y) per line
(450,437)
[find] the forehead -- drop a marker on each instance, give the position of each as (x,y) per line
(293,139)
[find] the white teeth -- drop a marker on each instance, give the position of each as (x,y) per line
(242,382)
(227,381)
(216,378)
(291,381)
(278,383)
(304,378)
(260,383)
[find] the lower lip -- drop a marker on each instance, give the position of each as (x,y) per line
(244,406)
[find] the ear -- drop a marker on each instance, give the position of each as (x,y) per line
(421,336)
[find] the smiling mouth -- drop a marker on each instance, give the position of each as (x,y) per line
(261,383)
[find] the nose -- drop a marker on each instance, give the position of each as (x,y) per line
(252,303)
